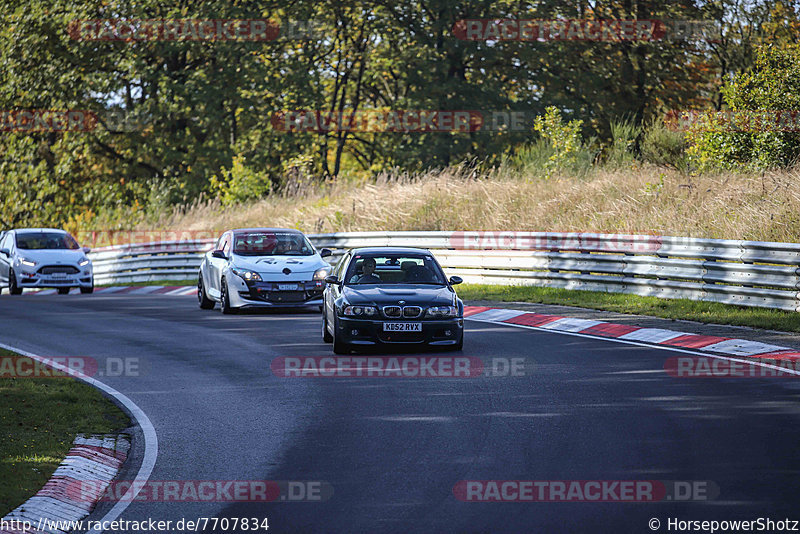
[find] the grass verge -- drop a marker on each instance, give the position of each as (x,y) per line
(39,418)
(690,310)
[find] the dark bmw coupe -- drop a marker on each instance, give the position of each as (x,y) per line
(391,295)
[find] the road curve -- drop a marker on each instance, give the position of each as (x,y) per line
(393,449)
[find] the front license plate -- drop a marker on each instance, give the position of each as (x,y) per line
(287,287)
(59,275)
(402,327)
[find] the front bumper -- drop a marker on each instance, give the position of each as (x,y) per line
(435,332)
(275,294)
(28,279)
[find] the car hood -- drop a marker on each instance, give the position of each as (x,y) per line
(52,257)
(276,264)
(416,294)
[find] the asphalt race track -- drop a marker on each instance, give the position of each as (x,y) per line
(393,449)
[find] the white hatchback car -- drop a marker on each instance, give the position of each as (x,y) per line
(262,268)
(43,258)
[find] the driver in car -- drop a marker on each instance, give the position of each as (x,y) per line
(369,276)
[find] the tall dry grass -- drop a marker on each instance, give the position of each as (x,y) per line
(637,200)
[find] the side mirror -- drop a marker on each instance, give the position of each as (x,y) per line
(325,252)
(5,252)
(455,280)
(86,250)
(333,280)
(219,255)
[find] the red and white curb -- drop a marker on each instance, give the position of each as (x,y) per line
(656,336)
(96,458)
(129,290)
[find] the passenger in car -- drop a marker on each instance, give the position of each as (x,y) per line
(417,274)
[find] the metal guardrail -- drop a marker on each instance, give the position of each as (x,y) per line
(748,273)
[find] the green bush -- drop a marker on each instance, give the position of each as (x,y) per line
(239,184)
(559,149)
(768,91)
(663,146)
(623,143)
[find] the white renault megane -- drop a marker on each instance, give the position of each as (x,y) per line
(262,268)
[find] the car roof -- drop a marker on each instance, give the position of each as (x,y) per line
(391,250)
(282,230)
(38,230)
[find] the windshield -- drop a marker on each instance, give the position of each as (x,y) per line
(46,241)
(272,244)
(394,269)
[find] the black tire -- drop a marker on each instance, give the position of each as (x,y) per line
(205,302)
(460,345)
(12,283)
(225,301)
(326,336)
(339,347)
(87,290)
(63,291)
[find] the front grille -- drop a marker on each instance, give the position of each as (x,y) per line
(54,269)
(412,311)
(392,311)
(409,312)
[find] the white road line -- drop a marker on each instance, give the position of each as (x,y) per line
(653,335)
(570,324)
(742,347)
(498,314)
(148,430)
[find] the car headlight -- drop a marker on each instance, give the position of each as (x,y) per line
(322,273)
(368,311)
(442,311)
(84,262)
(26,262)
(247,276)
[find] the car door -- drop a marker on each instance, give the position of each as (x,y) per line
(333,290)
(217,265)
(5,261)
